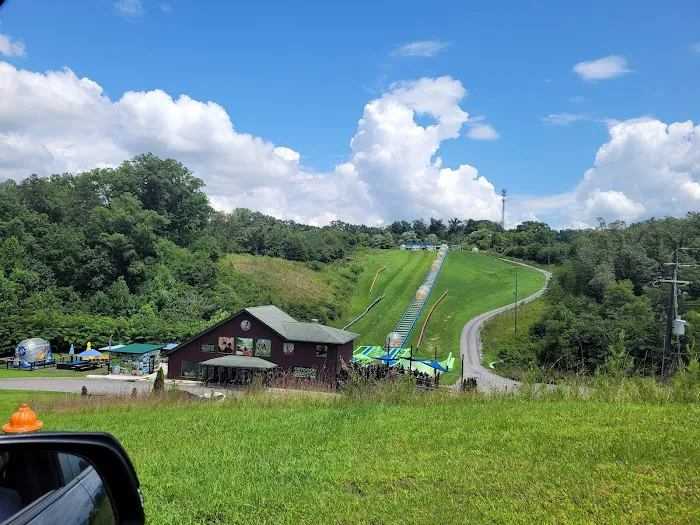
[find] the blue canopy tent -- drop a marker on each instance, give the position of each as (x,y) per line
(90,354)
(437,366)
(390,359)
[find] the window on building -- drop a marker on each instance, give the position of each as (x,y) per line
(189,369)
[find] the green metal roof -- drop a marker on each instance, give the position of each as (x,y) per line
(240,361)
(292,330)
(137,348)
(271,316)
(286,326)
(317,333)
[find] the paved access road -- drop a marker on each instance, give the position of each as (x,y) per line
(470,344)
(94,385)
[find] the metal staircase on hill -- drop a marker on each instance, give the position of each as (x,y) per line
(412,313)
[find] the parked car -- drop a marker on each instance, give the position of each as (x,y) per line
(67,478)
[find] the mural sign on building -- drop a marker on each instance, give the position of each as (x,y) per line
(244,346)
(263,347)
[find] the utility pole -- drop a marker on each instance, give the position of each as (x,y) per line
(672,311)
(504,193)
(516,304)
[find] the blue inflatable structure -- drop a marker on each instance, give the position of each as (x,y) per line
(30,351)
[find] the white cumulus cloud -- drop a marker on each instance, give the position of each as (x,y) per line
(481,131)
(10,47)
(165,8)
(612,66)
(646,169)
(422,48)
(55,122)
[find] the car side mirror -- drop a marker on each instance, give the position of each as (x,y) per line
(67,477)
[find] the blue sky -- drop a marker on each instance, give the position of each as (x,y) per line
(299,74)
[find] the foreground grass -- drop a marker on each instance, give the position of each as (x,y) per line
(430,459)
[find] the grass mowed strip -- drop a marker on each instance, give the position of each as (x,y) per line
(404,273)
(435,459)
(477,283)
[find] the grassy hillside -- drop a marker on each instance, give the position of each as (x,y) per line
(435,459)
(404,273)
(476,283)
(304,290)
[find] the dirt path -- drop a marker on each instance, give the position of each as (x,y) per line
(470,343)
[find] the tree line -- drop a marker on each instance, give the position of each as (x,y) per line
(136,251)
(608,303)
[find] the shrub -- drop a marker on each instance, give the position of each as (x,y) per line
(159,384)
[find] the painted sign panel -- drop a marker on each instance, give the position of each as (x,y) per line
(288,348)
(321,350)
(263,347)
(305,372)
(227,345)
(244,346)
(208,348)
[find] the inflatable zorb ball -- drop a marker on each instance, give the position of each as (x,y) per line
(394,339)
(34,349)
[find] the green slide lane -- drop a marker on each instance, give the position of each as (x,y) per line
(404,273)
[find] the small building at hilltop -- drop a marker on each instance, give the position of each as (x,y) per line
(263,337)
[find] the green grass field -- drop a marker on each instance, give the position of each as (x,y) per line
(404,273)
(476,283)
(44,372)
(499,336)
(431,459)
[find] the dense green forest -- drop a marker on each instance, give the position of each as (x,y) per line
(137,252)
(607,304)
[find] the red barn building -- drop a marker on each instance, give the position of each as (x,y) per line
(264,336)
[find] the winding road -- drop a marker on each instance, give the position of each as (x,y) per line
(470,343)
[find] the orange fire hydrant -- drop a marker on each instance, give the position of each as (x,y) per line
(24,420)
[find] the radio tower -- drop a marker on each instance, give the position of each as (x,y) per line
(504,193)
